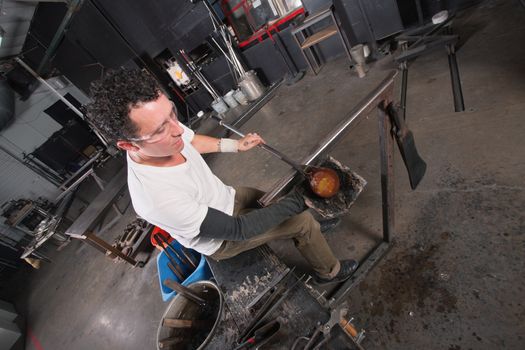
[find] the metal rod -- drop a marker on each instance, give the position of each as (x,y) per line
(168,255)
(199,75)
(419,9)
(404,87)
(73,6)
(63,186)
(342,292)
(353,118)
(39,78)
(91,237)
(386,149)
(73,185)
(269,306)
(459,104)
(163,239)
(223,52)
(176,271)
(189,256)
(265,147)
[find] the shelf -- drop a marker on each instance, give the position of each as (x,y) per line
(319,36)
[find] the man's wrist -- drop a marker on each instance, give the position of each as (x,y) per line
(228,145)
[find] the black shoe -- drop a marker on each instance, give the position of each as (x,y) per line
(328,224)
(348,268)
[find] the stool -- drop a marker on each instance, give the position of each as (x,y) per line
(306,42)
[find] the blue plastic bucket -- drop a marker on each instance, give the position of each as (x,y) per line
(202,272)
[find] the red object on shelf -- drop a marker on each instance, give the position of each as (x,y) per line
(159,231)
(271,27)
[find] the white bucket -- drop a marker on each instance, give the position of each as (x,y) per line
(219,106)
(230,99)
(251,86)
(240,97)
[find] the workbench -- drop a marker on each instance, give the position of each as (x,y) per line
(305,311)
(84,226)
(241,279)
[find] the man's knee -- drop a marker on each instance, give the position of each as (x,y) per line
(306,226)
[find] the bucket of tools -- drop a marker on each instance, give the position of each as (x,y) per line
(191,319)
(179,264)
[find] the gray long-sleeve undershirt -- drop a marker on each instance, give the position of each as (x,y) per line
(219,225)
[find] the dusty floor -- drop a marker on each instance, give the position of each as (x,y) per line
(453,280)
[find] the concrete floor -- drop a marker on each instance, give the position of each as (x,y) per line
(453,280)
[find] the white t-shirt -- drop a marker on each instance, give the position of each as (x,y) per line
(177,198)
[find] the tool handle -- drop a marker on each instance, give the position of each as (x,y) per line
(283,157)
(192,257)
(170,248)
(176,270)
(188,256)
(399,122)
(184,291)
(159,243)
(348,327)
(178,323)
(169,342)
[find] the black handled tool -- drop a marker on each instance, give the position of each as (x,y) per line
(415,165)
(169,342)
(176,271)
(269,290)
(159,243)
(189,257)
(174,251)
(272,303)
(261,335)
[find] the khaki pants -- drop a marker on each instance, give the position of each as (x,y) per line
(302,228)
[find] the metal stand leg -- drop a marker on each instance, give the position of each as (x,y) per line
(404,87)
(386,145)
(459,104)
(347,50)
(292,68)
(403,66)
(419,9)
(305,54)
(101,184)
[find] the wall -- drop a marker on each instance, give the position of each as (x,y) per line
(31,127)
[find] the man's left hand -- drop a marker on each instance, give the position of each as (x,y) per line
(249,141)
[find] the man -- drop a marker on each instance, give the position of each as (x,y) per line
(173,188)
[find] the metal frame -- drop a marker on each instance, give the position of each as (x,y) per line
(309,21)
(422,40)
(82,228)
(386,149)
(378,99)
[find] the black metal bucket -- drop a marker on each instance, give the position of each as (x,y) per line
(181,308)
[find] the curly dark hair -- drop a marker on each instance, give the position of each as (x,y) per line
(113,97)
